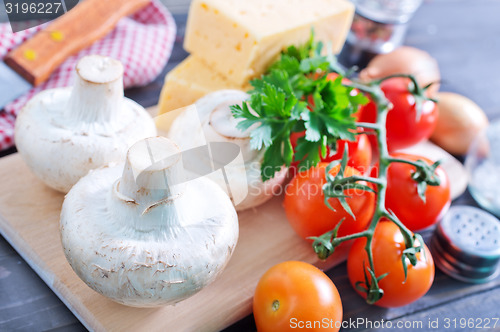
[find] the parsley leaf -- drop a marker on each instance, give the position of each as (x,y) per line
(296,95)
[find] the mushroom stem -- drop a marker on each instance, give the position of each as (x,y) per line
(224,123)
(152,180)
(222,126)
(98,91)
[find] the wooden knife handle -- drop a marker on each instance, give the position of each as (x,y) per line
(89,21)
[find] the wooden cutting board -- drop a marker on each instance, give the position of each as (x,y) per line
(29,220)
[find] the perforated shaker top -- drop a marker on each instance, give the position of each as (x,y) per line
(466,244)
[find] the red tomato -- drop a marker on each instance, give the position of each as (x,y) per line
(402,196)
(368,113)
(333,77)
(360,153)
(387,247)
(403,128)
(291,294)
(306,209)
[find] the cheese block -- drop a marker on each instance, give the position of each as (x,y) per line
(241,38)
(189,81)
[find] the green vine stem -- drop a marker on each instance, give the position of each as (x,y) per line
(424,175)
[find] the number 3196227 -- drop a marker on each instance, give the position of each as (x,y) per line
(471,323)
(34,7)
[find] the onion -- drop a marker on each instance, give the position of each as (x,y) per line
(404,60)
(459,121)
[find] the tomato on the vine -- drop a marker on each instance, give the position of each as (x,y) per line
(402,196)
(404,128)
(360,151)
(290,294)
(387,246)
(309,215)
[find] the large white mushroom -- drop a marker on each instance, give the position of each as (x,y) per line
(63,133)
(140,235)
(211,121)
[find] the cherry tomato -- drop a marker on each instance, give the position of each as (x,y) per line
(403,128)
(387,247)
(290,294)
(333,77)
(368,113)
(306,209)
(360,152)
(402,197)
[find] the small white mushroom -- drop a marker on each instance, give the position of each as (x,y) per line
(213,122)
(63,133)
(140,235)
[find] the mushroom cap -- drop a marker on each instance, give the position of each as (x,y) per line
(213,122)
(60,152)
(146,268)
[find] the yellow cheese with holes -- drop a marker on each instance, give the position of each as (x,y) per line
(241,38)
(189,81)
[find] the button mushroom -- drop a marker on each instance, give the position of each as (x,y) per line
(214,122)
(63,133)
(140,235)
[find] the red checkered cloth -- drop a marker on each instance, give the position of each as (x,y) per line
(142,42)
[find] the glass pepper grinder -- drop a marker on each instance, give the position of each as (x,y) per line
(379,26)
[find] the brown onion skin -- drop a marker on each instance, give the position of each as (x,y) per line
(405,60)
(460,121)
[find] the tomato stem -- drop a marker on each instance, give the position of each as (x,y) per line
(404,230)
(367,125)
(276,305)
(325,244)
(404,161)
(349,237)
(356,178)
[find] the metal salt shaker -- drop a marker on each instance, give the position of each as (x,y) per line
(466,244)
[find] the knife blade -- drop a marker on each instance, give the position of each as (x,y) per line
(32,62)
(12,85)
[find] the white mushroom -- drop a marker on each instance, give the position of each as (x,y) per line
(144,237)
(63,133)
(212,121)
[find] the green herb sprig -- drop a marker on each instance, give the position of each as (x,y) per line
(296,95)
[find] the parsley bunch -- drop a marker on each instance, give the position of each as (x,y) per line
(296,95)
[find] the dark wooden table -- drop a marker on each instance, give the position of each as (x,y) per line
(464,35)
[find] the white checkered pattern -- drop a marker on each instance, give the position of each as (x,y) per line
(142,42)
